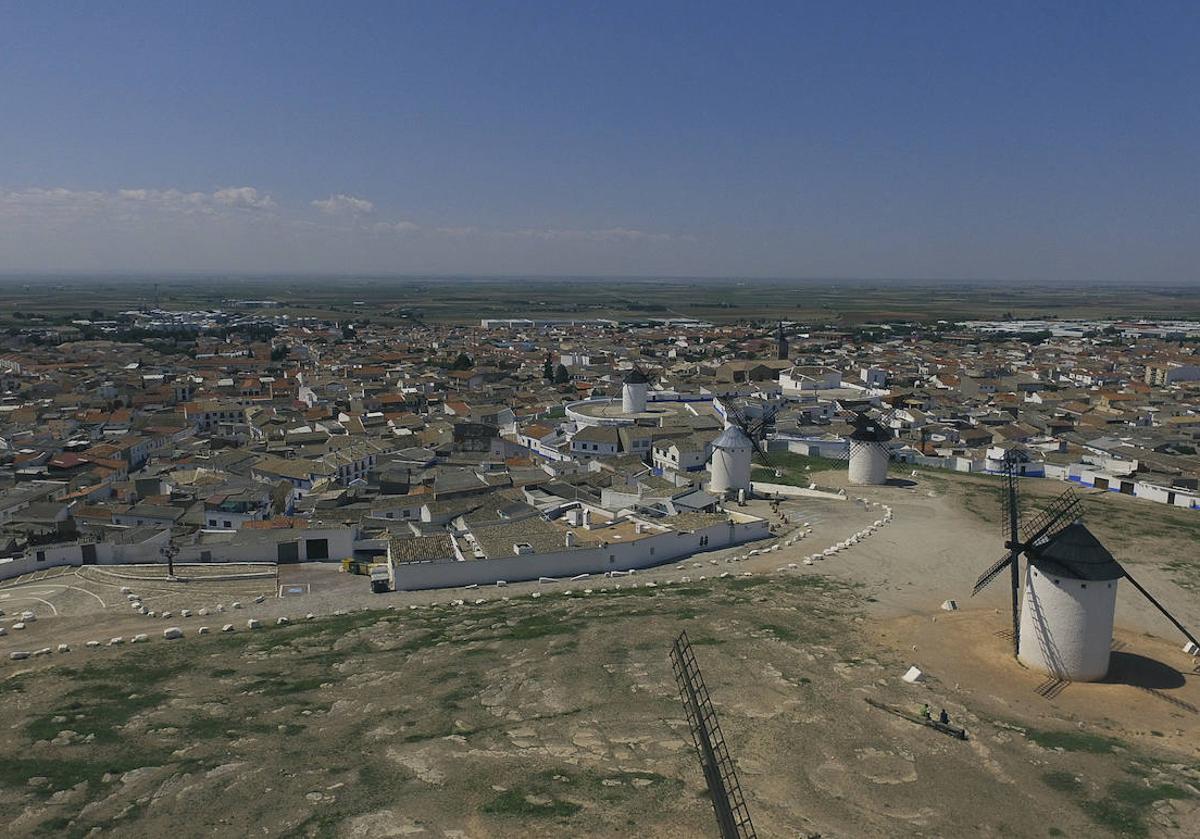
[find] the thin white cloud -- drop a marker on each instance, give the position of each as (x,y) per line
(610,234)
(38,203)
(395,227)
(344,205)
(244,197)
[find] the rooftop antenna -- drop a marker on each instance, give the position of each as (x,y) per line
(729,805)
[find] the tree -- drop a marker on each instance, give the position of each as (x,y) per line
(561,375)
(279,353)
(548,369)
(463,362)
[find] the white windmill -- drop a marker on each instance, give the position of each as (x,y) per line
(1063,624)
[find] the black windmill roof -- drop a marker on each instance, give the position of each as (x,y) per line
(636,377)
(1075,552)
(867,430)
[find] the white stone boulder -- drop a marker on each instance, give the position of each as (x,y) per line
(282,621)
(125,589)
(64,648)
(19,625)
(203,630)
(19,655)
(949,605)
(235,605)
(112,642)
(185,613)
(172,632)
(310,616)
(260,598)
(28,617)
(913,676)
(92,644)
(227,628)
(1191,649)
(253,624)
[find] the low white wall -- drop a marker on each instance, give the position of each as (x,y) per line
(643,553)
(788,491)
(71,554)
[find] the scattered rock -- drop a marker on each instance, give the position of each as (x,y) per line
(18,655)
(253,624)
(282,621)
(172,632)
(92,644)
(950,605)
(235,605)
(112,642)
(19,625)
(259,599)
(914,675)
(64,648)
(227,628)
(202,630)
(140,638)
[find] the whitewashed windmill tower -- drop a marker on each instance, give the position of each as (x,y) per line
(732,453)
(730,466)
(633,392)
(1063,624)
(868,452)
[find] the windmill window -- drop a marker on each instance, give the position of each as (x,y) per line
(1056,582)
(1083,585)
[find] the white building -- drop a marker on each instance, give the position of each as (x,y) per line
(799,379)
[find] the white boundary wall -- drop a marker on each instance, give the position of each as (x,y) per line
(621,556)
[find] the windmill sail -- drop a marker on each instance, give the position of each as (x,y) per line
(729,805)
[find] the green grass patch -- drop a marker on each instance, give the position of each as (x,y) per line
(1061,781)
(1075,741)
(783,633)
(518,803)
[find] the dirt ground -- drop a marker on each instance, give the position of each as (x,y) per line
(491,712)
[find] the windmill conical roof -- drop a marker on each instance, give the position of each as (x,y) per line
(636,377)
(732,438)
(1076,552)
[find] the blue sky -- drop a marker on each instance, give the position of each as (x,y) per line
(1046,142)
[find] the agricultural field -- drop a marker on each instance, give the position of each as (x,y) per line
(394,299)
